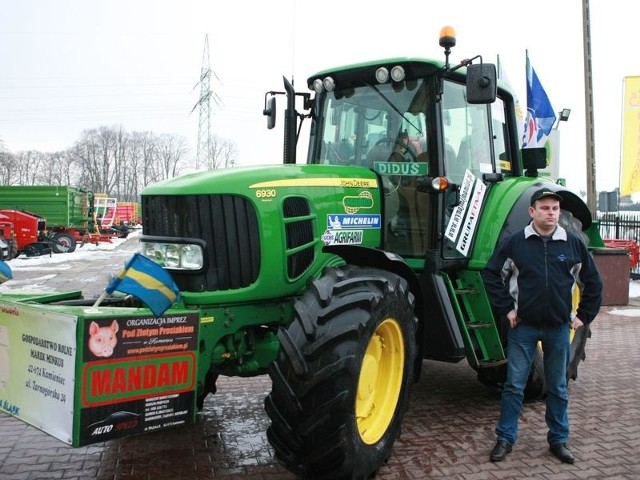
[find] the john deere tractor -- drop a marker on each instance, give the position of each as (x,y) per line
(338,276)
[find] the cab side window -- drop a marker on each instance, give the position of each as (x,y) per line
(468,140)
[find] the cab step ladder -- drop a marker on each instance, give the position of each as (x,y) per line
(476,320)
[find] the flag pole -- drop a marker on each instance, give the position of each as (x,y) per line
(104,292)
(588,94)
(100,299)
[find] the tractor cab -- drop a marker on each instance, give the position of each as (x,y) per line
(432,132)
(418,125)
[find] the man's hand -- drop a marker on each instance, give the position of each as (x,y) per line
(513,318)
(576,323)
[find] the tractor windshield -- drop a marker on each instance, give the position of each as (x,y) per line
(370,123)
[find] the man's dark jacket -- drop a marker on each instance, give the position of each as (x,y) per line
(537,278)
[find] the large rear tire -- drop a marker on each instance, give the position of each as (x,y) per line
(342,377)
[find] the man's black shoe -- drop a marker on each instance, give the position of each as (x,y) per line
(562,452)
(500,451)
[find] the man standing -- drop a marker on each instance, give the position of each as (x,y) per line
(530,279)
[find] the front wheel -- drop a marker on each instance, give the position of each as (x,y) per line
(342,377)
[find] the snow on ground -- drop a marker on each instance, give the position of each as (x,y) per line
(48,266)
(86,251)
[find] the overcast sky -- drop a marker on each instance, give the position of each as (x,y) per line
(71,65)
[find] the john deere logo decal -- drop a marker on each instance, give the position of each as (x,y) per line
(354,204)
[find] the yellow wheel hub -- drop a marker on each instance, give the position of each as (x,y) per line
(380,381)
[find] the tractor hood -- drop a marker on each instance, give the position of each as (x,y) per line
(261,230)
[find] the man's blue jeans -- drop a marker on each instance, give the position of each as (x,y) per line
(522,342)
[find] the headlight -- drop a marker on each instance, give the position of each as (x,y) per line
(175,256)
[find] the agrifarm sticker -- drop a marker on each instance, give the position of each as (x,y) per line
(139,374)
(37,364)
(343,237)
(464,219)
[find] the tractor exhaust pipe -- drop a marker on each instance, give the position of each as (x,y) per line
(290,124)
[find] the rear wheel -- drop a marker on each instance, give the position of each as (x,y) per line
(63,242)
(535,388)
(342,377)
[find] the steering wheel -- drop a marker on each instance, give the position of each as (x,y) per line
(405,149)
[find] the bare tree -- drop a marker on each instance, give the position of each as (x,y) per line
(96,153)
(8,166)
(224,153)
(29,167)
(142,155)
(60,169)
(171,153)
(111,160)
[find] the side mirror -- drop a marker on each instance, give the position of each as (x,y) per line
(270,112)
(482,83)
(533,159)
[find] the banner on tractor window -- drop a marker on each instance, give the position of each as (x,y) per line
(630,171)
(462,224)
(138,374)
(37,364)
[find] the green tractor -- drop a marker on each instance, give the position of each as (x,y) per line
(340,275)
(337,277)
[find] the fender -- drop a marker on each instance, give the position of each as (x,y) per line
(372,257)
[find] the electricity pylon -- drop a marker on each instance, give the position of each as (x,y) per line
(204,152)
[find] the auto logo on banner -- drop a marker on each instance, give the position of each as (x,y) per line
(464,219)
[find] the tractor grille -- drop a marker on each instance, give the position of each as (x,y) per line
(227,223)
(299,233)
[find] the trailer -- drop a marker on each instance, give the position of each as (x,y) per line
(114,218)
(68,212)
(128,213)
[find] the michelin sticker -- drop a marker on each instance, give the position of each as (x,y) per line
(338,220)
(464,219)
(343,237)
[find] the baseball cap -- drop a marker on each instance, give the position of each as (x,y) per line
(543,193)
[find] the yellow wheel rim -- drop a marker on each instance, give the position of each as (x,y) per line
(380,381)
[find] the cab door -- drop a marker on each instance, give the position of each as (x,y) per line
(474,145)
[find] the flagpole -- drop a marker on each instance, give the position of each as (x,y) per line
(588,100)
(100,299)
(104,292)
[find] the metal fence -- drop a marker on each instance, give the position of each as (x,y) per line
(624,228)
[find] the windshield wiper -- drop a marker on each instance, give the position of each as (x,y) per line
(392,105)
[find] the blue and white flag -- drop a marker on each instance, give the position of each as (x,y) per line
(145,279)
(540,114)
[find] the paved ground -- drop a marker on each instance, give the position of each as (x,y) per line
(447,432)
